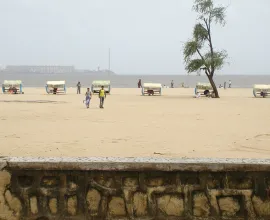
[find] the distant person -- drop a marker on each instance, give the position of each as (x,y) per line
(102,96)
(220,86)
(230,84)
(140,83)
(263,94)
(206,92)
(88,96)
(54,91)
(225,85)
(79,88)
(15,90)
(172,84)
(150,92)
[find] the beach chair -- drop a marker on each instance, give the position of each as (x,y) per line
(151,88)
(260,90)
(96,86)
(203,89)
(12,87)
(56,87)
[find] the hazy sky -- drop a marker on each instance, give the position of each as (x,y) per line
(145,36)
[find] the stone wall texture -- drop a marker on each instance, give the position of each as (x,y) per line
(199,194)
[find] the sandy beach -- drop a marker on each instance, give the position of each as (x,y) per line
(172,125)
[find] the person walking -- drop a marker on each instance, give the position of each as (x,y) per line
(78,88)
(230,84)
(225,85)
(172,84)
(88,96)
(140,83)
(102,96)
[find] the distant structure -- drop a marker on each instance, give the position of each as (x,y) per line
(53,69)
(39,69)
(99,72)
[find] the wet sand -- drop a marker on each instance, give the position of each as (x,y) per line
(172,125)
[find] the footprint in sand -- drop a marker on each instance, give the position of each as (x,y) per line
(12,136)
(263,136)
(257,144)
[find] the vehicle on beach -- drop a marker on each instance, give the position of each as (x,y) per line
(151,88)
(96,86)
(261,90)
(56,87)
(203,89)
(12,87)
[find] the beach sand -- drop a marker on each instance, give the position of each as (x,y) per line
(173,125)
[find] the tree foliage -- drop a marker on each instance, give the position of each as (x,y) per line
(199,52)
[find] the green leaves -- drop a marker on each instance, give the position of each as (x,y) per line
(216,60)
(200,33)
(201,42)
(218,15)
(194,65)
(190,49)
(206,10)
(203,6)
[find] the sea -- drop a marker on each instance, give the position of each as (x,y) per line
(130,81)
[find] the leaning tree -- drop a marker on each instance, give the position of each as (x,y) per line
(200,53)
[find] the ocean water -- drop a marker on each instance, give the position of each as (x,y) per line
(130,81)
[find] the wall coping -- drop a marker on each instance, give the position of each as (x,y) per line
(134,164)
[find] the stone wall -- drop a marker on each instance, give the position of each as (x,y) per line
(111,188)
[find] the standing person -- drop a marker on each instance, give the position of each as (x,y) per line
(230,84)
(140,83)
(78,88)
(225,85)
(88,96)
(102,96)
(172,83)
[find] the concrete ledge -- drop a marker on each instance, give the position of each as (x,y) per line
(134,188)
(135,164)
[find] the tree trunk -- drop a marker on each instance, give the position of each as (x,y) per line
(213,85)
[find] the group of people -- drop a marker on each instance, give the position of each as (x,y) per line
(88,96)
(225,84)
(207,93)
(102,93)
(13,90)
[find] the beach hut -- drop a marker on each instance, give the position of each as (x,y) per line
(151,88)
(12,87)
(96,86)
(260,90)
(56,87)
(203,88)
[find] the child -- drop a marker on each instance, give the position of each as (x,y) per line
(88,96)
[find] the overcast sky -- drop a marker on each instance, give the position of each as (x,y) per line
(145,36)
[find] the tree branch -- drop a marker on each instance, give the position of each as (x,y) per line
(206,68)
(208,27)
